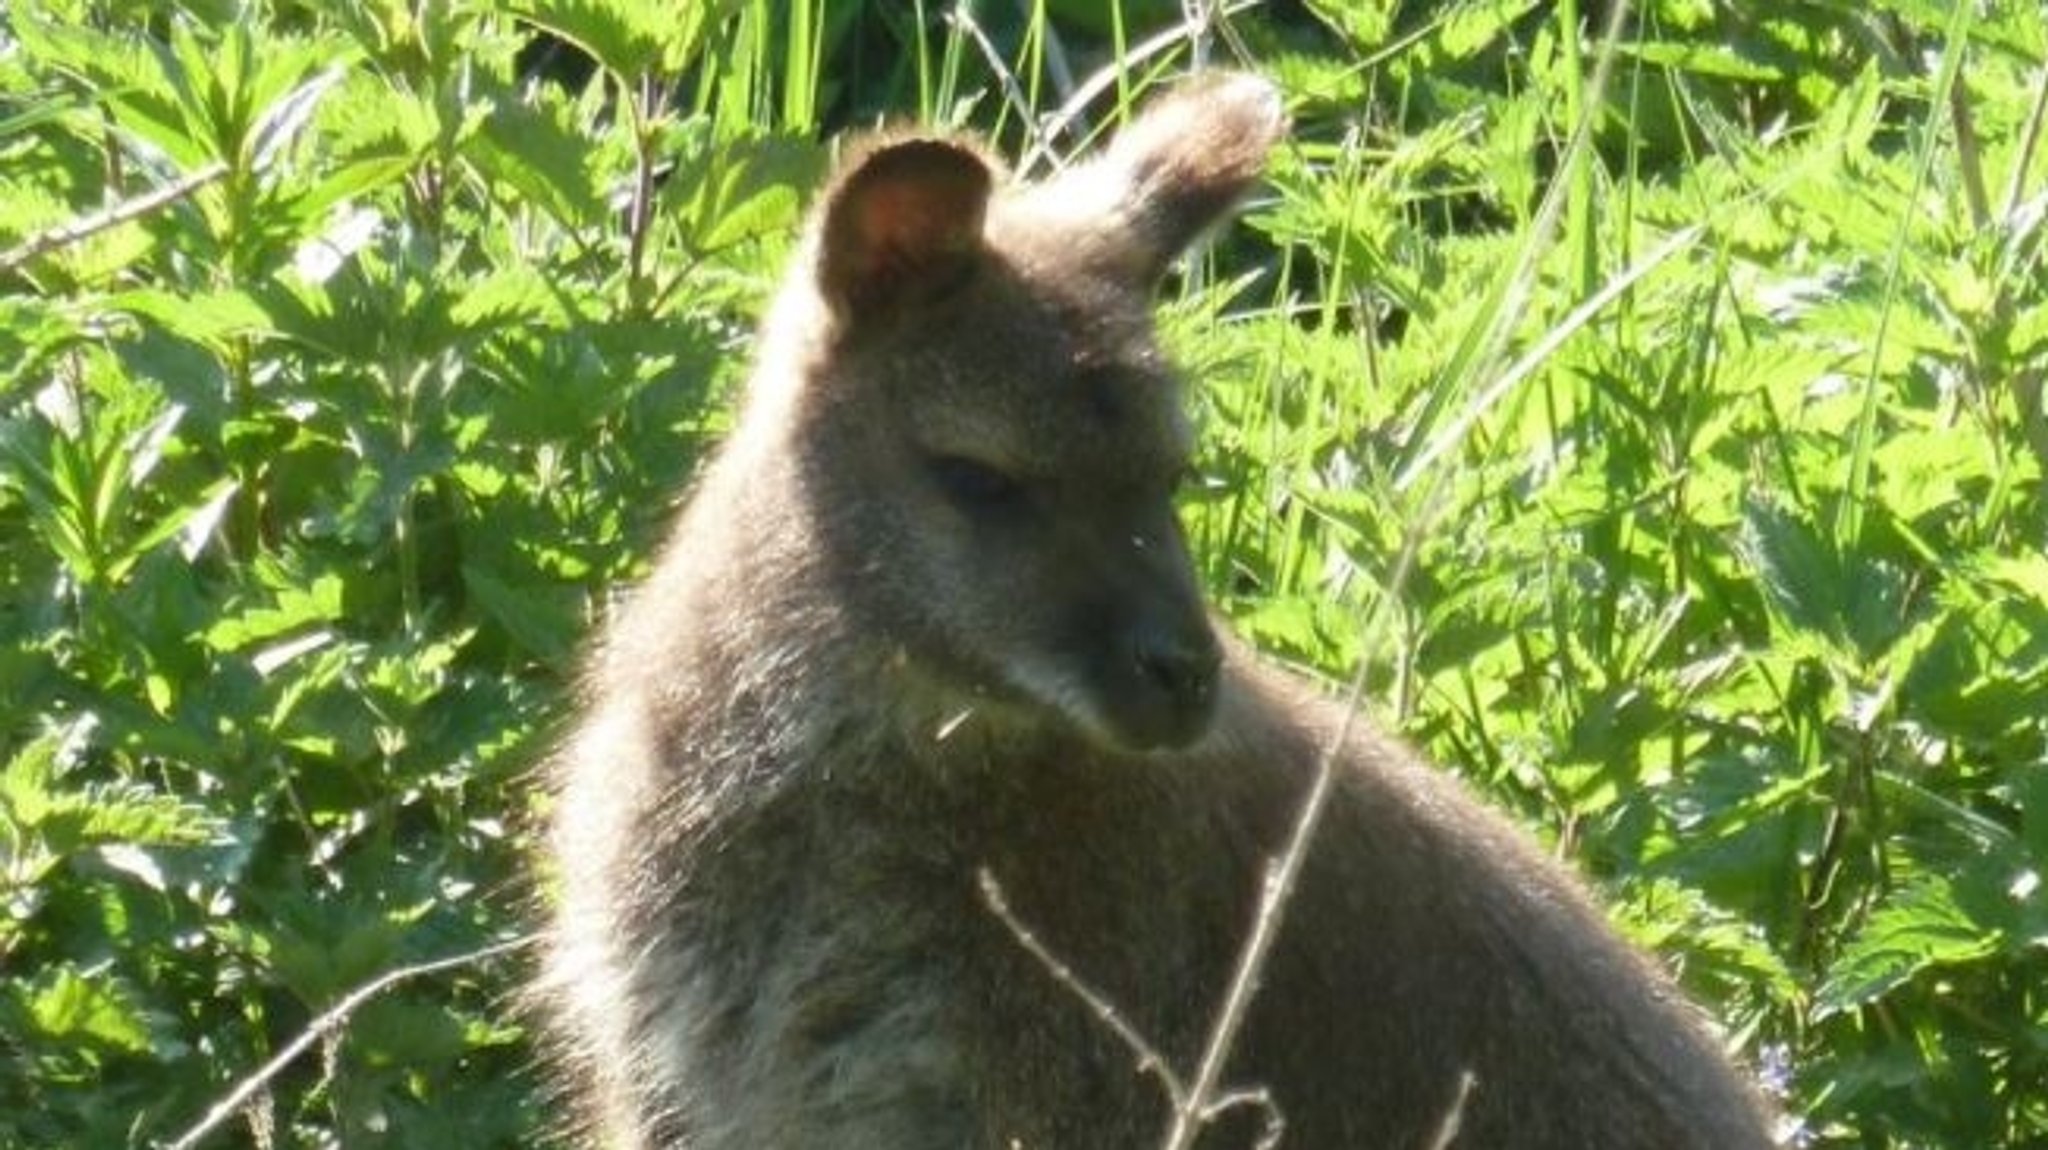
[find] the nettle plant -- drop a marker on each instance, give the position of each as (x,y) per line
(345,358)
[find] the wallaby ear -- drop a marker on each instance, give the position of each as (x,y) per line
(1183,163)
(903,222)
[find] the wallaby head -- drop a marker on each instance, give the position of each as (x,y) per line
(988,428)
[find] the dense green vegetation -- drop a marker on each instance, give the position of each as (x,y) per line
(1678,481)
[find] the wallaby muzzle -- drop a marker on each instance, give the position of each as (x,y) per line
(1152,654)
(1174,697)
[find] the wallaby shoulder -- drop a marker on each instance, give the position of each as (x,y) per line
(1430,940)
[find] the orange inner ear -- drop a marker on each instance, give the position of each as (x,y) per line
(904,224)
(905,217)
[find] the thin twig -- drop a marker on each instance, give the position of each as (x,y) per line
(1013,92)
(2016,184)
(1100,80)
(1272,1122)
(1447,1130)
(1058,70)
(1281,877)
(1969,155)
(646,109)
(1148,1056)
(1203,17)
(114,215)
(1197,15)
(324,1025)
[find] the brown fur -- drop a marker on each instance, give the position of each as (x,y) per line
(927,613)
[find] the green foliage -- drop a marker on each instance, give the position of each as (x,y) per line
(1681,485)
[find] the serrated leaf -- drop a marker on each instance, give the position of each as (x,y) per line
(1363,24)
(629,38)
(210,319)
(93,1009)
(1716,60)
(1918,927)
(548,164)
(31,329)
(206,508)
(1923,471)
(26,795)
(1472,27)
(2026,574)
(136,814)
(123,71)
(755,188)
(294,608)
(1800,574)
(517,297)
(537,622)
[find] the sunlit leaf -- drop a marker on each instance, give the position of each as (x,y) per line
(1917,928)
(77,1007)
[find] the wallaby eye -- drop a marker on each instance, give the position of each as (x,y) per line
(974,485)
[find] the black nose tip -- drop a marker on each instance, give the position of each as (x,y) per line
(1181,666)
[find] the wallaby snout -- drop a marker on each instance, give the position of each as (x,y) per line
(1172,657)
(1143,658)
(1176,663)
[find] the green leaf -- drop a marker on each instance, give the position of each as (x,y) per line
(128,75)
(195,520)
(751,188)
(1923,472)
(538,621)
(630,38)
(1916,928)
(27,794)
(1363,24)
(1719,61)
(137,814)
(2025,574)
(211,319)
(1801,576)
(521,298)
(294,608)
(31,330)
(550,164)
(1471,27)
(398,1031)
(88,1009)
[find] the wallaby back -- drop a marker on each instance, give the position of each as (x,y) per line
(928,616)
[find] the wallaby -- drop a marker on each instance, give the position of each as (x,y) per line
(928,615)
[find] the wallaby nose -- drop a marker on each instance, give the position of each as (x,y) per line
(1182,665)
